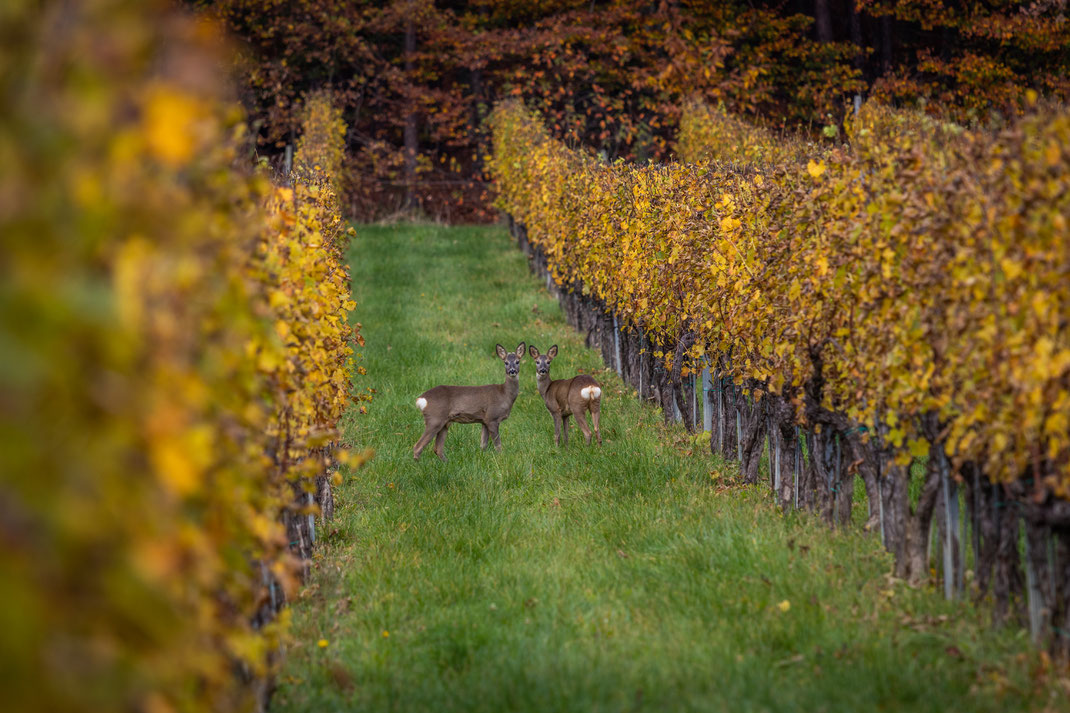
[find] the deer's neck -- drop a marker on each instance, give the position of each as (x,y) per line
(511,387)
(543,383)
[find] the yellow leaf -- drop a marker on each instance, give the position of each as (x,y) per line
(918,447)
(1011,268)
(815,168)
(175,467)
(822,264)
(784,605)
(168,123)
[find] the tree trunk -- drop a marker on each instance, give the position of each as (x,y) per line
(784,431)
(822,21)
(862,459)
(683,398)
(886,23)
(854,23)
(914,525)
(475,128)
(754,429)
(730,419)
(411,146)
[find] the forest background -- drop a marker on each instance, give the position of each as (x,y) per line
(416,78)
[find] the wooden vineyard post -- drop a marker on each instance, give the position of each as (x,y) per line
(798,464)
(769,447)
(720,414)
(1032,588)
(739,426)
(774,456)
(642,349)
(880,500)
(837,479)
(707,411)
(976,517)
(951,524)
(694,402)
(616,345)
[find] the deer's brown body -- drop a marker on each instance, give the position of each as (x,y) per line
(488,405)
(577,397)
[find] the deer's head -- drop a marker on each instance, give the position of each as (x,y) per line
(510,359)
(542,361)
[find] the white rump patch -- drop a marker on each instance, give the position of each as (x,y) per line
(421,403)
(590,392)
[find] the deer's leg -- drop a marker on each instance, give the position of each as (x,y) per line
(564,428)
(557,428)
(493,428)
(596,415)
(440,443)
(581,421)
(483,438)
(430,429)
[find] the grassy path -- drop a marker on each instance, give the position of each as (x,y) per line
(634,577)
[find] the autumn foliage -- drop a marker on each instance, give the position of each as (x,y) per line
(610,74)
(919,270)
(416,78)
(177,352)
(899,300)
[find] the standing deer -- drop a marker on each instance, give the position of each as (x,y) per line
(567,397)
(489,405)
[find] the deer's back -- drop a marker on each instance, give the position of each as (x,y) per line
(467,404)
(566,391)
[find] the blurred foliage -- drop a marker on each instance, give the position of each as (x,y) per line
(322,143)
(610,75)
(965,59)
(167,363)
(713,132)
(920,270)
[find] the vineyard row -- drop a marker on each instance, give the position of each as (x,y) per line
(177,352)
(899,302)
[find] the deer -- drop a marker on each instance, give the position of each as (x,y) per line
(568,397)
(488,405)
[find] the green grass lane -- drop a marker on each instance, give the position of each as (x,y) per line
(631,577)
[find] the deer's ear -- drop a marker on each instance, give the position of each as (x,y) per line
(500,350)
(520,350)
(552,351)
(533,351)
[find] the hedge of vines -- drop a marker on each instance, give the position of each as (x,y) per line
(899,300)
(176,353)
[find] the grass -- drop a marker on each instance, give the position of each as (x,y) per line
(636,576)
